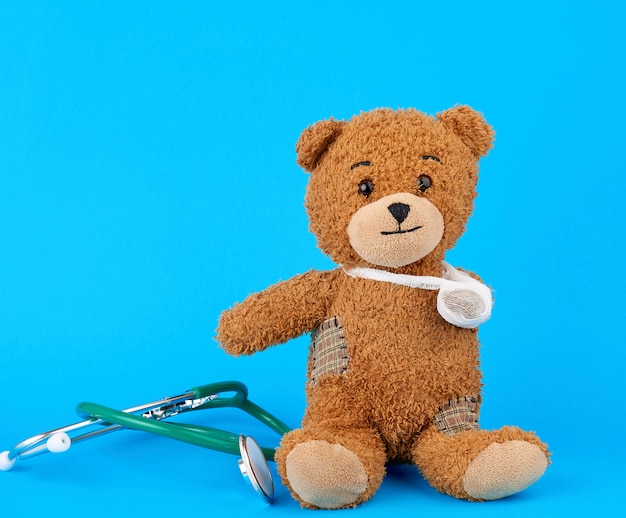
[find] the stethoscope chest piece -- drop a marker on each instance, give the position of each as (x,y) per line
(255,469)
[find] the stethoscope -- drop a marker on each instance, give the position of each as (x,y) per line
(150,417)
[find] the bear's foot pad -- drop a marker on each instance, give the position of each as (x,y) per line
(325,475)
(503,469)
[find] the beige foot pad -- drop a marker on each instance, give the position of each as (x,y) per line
(503,469)
(328,476)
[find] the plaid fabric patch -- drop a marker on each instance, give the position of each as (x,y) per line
(457,415)
(329,353)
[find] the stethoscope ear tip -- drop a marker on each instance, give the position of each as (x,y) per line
(58,442)
(254,468)
(6,463)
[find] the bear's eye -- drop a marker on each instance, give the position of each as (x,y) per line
(431,157)
(424,182)
(366,187)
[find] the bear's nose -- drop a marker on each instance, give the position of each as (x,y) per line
(399,211)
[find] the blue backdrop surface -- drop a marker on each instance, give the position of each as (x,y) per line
(148,181)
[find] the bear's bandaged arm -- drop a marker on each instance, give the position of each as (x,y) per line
(283,311)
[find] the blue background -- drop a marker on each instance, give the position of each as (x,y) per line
(148,181)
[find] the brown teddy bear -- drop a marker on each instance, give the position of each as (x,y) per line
(393,373)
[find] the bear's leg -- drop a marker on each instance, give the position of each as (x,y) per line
(326,469)
(480,465)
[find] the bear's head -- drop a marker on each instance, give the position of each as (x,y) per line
(393,189)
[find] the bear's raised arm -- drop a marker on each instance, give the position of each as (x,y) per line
(283,311)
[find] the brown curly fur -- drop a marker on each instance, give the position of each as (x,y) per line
(405,361)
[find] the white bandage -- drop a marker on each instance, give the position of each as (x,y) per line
(462,300)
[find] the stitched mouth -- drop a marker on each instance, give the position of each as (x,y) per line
(400,231)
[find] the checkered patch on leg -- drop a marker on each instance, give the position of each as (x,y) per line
(329,353)
(457,415)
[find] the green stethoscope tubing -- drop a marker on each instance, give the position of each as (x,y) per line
(204,436)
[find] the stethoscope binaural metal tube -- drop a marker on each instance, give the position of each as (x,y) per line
(37,445)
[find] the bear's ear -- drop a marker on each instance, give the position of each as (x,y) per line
(470,126)
(315,140)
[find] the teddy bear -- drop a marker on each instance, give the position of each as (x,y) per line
(393,373)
